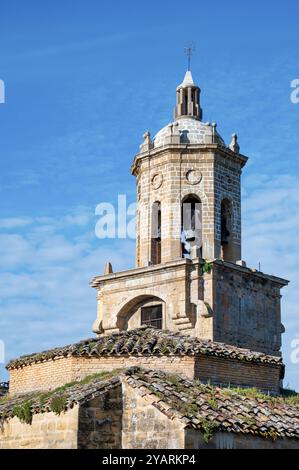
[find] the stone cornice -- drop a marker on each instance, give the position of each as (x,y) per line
(190,148)
(179,264)
(253,272)
(138,272)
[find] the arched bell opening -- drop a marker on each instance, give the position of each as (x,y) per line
(156,233)
(191,227)
(226,230)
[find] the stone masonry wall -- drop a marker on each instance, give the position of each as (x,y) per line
(54,373)
(227,185)
(41,376)
(120,418)
(246,310)
(163,177)
(100,421)
(121,294)
(47,431)
(145,427)
(95,424)
(221,371)
(170,169)
(217,370)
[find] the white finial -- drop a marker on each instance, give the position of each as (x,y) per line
(234,146)
(147,143)
(108,268)
(214,125)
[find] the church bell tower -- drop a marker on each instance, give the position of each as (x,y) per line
(188,186)
(189,276)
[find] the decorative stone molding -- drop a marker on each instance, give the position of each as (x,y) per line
(97,326)
(193,176)
(157,180)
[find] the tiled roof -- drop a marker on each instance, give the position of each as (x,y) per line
(206,407)
(196,405)
(147,341)
(76,393)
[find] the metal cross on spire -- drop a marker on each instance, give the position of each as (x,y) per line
(189,51)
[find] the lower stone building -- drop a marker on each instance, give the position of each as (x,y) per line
(148,388)
(139,408)
(208,361)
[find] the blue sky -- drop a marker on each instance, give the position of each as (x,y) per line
(84,80)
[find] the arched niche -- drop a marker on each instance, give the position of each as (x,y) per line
(139,311)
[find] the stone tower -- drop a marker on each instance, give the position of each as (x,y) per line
(189,276)
(188,182)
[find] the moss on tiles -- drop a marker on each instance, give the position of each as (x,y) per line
(55,400)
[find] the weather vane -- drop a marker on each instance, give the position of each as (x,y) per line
(189,51)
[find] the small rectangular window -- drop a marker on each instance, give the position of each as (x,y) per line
(152,316)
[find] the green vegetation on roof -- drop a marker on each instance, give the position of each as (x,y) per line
(56,400)
(23,411)
(58,404)
(205,407)
(286,396)
(210,408)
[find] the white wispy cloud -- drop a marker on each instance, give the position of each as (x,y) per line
(14,222)
(45,297)
(64,48)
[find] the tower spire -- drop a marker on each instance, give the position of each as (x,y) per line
(188,94)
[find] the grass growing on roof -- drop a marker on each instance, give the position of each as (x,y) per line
(208,428)
(57,398)
(58,404)
(23,411)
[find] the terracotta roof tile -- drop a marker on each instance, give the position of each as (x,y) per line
(229,410)
(77,393)
(192,402)
(144,341)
